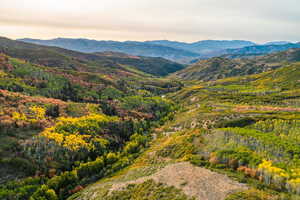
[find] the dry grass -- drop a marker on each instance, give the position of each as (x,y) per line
(194,181)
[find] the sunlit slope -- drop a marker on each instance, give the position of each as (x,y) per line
(251,126)
(246,127)
(280,83)
(222,67)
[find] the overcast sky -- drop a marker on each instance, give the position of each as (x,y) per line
(185,20)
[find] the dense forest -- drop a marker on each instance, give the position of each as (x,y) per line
(76,125)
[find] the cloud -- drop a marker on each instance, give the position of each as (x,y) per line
(258,20)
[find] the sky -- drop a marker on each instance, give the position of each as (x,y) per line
(182,20)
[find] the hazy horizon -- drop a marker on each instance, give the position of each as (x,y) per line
(259,21)
(155,40)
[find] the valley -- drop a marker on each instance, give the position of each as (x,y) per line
(109,125)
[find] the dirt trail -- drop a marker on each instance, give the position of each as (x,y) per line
(194,181)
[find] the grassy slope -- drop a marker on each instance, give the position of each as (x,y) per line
(218,67)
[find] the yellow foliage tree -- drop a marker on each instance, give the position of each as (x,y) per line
(38,112)
(19,116)
(78,133)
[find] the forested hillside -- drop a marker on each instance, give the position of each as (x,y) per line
(151,65)
(57,124)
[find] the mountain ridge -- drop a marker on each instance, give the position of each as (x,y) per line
(182,52)
(204,46)
(260,49)
(129,47)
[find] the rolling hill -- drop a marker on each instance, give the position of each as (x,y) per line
(151,65)
(222,67)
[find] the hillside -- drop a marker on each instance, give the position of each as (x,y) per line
(128,47)
(151,65)
(244,127)
(77,85)
(222,67)
(53,120)
(72,60)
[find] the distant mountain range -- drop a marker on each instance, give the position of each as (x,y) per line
(181,52)
(259,50)
(205,46)
(128,47)
(277,43)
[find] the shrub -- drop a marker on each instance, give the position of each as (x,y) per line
(44,193)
